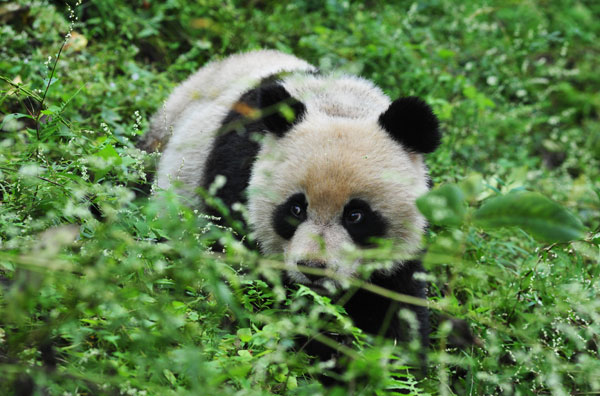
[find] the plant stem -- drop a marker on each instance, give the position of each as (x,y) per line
(37,120)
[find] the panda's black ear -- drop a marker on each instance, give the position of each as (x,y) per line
(275,104)
(411,122)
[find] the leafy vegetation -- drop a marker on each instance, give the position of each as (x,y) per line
(104,291)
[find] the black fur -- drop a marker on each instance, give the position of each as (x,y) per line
(234,150)
(271,96)
(378,315)
(372,225)
(284,222)
(411,122)
(371,311)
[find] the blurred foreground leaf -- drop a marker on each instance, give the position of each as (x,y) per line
(443,206)
(534,213)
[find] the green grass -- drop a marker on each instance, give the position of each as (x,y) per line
(104,291)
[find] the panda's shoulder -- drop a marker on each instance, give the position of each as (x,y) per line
(337,95)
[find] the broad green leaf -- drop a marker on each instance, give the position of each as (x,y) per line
(470,91)
(534,213)
(179,306)
(110,155)
(444,205)
(244,334)
(471,186)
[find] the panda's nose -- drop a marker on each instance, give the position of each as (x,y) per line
(313,264)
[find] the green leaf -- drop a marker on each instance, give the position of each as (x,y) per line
(170,376)
(446,53)
(244,334)
(108,152)
(110,155)
(50,82)
(534,213)
(179,306)
(470,91)
(287,112)
(444,205)
(14,116)
(471,186)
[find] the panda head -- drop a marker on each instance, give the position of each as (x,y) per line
(345,171)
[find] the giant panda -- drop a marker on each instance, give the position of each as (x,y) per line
(323,161)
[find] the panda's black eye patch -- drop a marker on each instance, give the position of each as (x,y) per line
(288,216)
(362,222)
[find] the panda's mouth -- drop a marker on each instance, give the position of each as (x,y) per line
(312,269)
(324,286)
(320,275)
(322,290)
(317,282)
(315,279)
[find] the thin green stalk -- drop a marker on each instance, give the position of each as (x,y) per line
(37,120)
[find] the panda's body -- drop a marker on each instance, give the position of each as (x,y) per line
(339,165)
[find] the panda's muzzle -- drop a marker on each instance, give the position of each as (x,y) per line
(317,264)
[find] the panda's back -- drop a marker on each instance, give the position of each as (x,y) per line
(221,83)
(185,126)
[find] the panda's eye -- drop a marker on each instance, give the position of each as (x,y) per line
(288,215)
(355,216)
(362,222)
(296,210)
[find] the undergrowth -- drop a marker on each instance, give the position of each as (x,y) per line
(104,290)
